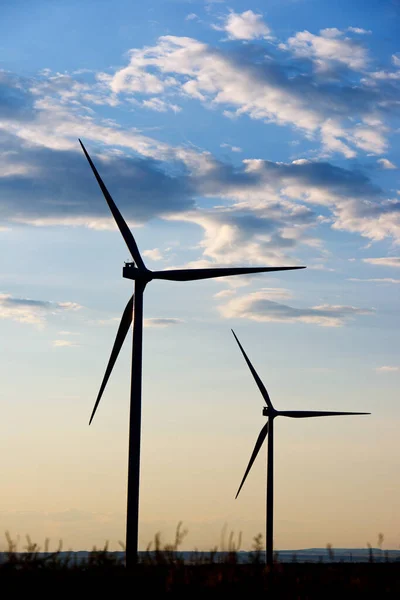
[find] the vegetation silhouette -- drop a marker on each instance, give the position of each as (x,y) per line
(162,570)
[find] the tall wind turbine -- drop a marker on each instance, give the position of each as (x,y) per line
(137,271)
(270,412)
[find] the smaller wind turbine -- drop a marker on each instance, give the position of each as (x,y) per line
(270,412)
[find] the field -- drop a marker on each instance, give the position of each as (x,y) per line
(164,571)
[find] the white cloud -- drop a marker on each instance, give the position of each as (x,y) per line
(258,306)
(320,267)
(225,294)
(386,164)
(136,79)
(191,17)
(68,306)
(327,49)
(386,261)
(266,203)
(382,76)
(231,148)
(64,344)
(69,333)
(329,32)
(396,59)
(375,280)
(58,128)
(266,213)
(154,254)
(245,26)
(33,312)
(272,293)
(387,369)
(359,30)
(370,138)
(332,136)
(343,115)
(373,220)
(160,105)
(244,237)
(271,212)
(184,65)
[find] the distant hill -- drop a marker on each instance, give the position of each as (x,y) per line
(338,555)
(304,555)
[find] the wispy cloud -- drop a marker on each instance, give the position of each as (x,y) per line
(231,148)
(385,261)
(359,30)
(162,322)
(396,59)
(375,280)
(258,306)
(33,312)
(69,333)
(386,164)
(320,267)
(225,293)
(64,344)
(160,105)
(387,369)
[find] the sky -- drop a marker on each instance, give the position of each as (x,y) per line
(229,134)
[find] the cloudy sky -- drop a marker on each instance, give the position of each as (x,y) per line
(239,134)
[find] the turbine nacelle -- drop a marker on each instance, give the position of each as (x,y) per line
(131,271)
(269,411)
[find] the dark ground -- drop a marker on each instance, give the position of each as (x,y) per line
(165,575)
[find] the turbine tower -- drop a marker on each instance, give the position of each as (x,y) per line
(137,271)
(270,412)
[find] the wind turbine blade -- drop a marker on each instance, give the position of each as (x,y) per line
(123,329)
(259,443)
(195,274)
(122,226)
(258,381)
(302,414)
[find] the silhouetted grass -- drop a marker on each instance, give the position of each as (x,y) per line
(163,570)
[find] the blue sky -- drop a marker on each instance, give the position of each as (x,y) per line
(228,134)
